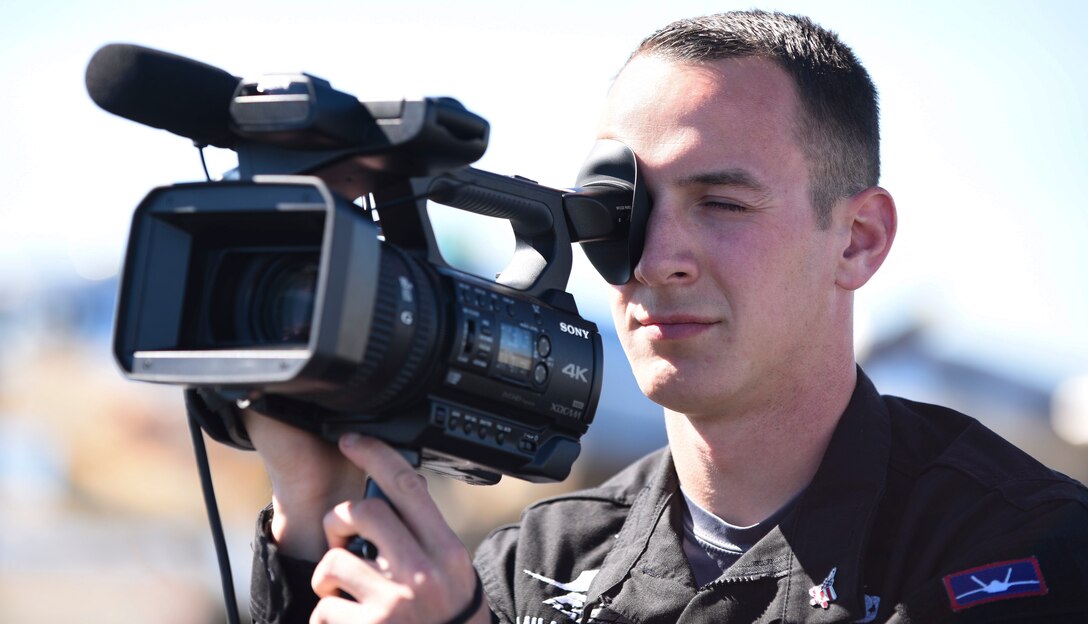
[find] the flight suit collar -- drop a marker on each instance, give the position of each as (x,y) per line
(829,526)
(647,565)
(826,530)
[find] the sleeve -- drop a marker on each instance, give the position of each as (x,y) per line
(495,563)
(280,591)
(1036,571)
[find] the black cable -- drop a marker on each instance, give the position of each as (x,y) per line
(203,163)
(229,599)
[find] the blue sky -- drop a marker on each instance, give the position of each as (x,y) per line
(985,138)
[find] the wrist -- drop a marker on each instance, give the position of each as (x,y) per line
(297,534)
(298,513)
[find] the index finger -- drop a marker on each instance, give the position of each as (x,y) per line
(404,488)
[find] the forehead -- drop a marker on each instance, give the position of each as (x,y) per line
(729,108)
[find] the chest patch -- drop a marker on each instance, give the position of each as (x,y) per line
(572,603)
(1019,578)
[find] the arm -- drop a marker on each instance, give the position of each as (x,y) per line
(309,476)
(422,574)
(1035,572)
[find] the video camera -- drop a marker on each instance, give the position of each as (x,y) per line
(310,287)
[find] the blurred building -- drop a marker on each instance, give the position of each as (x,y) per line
(918,363)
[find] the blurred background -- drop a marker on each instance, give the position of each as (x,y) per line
(981,306)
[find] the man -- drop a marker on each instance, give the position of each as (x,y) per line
(790,490)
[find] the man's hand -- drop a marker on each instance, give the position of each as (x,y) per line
(309,477)
(423,574)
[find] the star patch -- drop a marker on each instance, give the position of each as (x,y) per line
(1019,578)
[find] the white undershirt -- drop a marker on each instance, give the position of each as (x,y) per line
(712,544)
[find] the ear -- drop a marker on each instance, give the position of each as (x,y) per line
(870,219)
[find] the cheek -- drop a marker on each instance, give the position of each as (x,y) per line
(636,352)
(617,303)
(796,292)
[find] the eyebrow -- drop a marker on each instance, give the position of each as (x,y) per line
(725,177)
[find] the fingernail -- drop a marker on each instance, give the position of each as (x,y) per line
(350,439)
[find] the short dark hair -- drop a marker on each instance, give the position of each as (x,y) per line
(838,129)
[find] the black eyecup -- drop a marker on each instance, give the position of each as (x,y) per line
(612,163)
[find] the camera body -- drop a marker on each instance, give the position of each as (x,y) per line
(311,289)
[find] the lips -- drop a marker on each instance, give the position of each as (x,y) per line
(674,327)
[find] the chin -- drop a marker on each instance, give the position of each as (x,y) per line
(670,388)
(682,402)
(690,387)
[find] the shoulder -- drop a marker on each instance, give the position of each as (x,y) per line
(962,503)
(940,448)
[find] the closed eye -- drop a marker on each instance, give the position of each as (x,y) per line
(719,204)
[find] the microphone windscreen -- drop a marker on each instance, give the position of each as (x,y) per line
(164,91)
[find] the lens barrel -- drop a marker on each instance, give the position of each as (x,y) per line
(403,341)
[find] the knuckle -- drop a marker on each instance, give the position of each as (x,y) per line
(330,568)
(424,576)
(364,507)
(402,595)
(320,578)
(365,512)
(321,571)
(330,521)
(409,481)
(320,613)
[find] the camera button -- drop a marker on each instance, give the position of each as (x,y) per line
(543,345)
(439,417)
(540,373)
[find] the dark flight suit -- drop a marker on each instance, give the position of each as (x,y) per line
(923,514)
(916,514)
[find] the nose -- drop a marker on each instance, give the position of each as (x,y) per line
(668,257)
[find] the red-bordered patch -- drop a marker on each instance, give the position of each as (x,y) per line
(1003,580)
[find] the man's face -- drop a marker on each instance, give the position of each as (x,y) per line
(734,297)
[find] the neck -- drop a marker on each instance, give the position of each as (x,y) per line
(745,465)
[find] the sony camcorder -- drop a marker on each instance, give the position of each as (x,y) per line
(309,286)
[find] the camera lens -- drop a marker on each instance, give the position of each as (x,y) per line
(283,301)
(263,298)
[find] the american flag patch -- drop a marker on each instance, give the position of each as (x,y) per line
(995,581)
